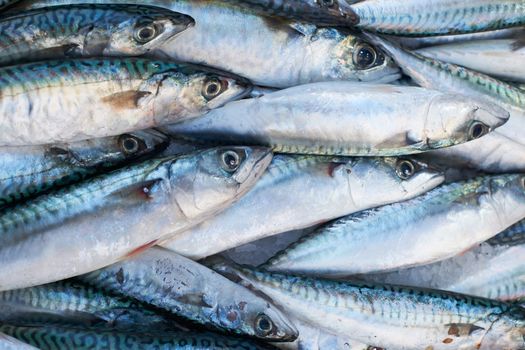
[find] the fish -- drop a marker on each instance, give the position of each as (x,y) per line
(389,316)
(86,30)
(500,58)
(320,118)
(442,17)
(92,224)
(74,303)
(435,226)
(514,235)
(320,12)
(501,278)
(183,287)
(30,170)
(10,343)
(73,100)
(279,54)
(6,3)
(302,191)
(447,77)
(52,337)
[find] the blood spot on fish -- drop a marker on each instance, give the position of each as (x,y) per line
(231,316)
(120,276)
(453,330)
(125,100)
(141,249)
(448,340)
(242,305)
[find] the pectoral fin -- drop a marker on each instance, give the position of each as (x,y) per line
(126,100)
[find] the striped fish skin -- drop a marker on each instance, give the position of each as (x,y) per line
(320,12)
(70,302)
(388,316)
(438,17)
(104,219)
(501,58)
(315,119)
(54,337)
(420,231)
(302,191)
(514,235)
(10,343)
(27,171)
(73,100)
(279,53)
(86,31)
(188,289)
(490,153)
(502,277)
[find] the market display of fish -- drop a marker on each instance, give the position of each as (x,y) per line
(262,174)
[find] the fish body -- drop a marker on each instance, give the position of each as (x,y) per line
(86,31)
(69,302)
(10,343)
(6,3)
(72,100)
(188,289)
(389,316)
(95,223)
(302,191)
(438,17)
(502,58)
(279,53)
(320,118)
(419,231)
(29,170)
(514,235)
(61,337)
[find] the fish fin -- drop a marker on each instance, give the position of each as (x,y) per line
(402,139)
(140,249)
(291,27)
(196,299)
(131,99)
(518,44)
(462,329)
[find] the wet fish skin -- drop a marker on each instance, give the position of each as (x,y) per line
(279,53)
(420,231)
(514,235)
(390,316)
(27,171)
(60,337)
(86,30)
(6,3)
(318,118)
(320,12)
(73,100)
(9,343)
(188,289)
(441,17)
(501,58)
(71,302)
(302,191)
(124,212)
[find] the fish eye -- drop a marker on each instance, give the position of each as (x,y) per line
(476,130)
(263,325)
(405,169)
(230,161)
(365,56)
(327,3)
(145,33)
(212,88)
(129,144)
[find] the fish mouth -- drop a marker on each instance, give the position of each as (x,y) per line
(258,160)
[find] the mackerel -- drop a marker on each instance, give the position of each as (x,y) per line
(279,54)
(188,289)
(29,170)
(6,3)
(320,118)
(86,31)
(302,191)
(438,17)
(389,316)
(10,343)
(419,231)
(100,221)
(73,100)
(514,235)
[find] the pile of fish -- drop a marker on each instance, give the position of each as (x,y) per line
(262,174)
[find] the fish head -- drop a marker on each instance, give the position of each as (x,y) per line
(454,119)
(143,28)
(216,177)
(363,61)
(110,151)
(401,178)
